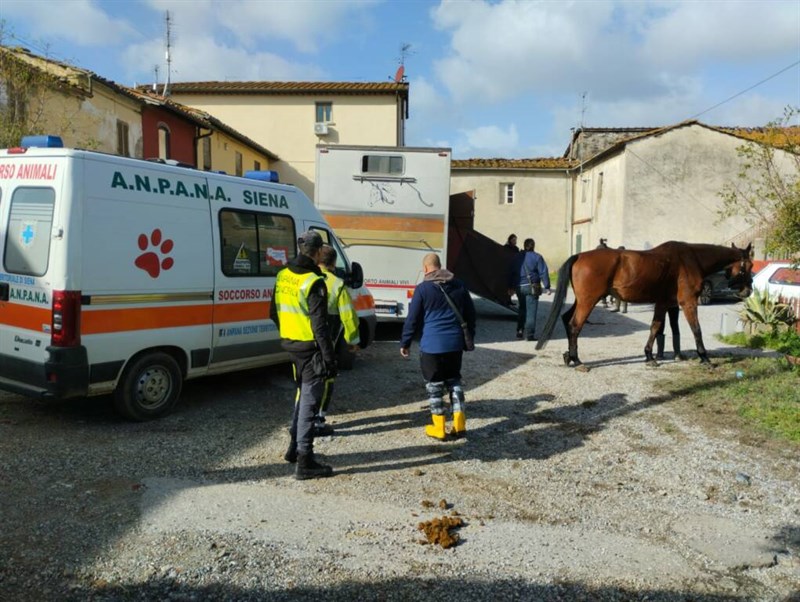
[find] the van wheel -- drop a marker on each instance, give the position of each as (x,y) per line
(149,387)
(345,359)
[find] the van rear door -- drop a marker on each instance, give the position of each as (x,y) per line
(28,195)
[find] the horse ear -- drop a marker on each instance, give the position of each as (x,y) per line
(749,249)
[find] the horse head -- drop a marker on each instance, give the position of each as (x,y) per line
(740,272)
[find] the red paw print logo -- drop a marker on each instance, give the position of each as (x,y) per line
(150,261)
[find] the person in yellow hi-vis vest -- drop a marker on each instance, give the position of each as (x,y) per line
(300,309)
(343,320)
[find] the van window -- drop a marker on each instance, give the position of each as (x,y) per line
(256,244)
(382,164)
(328,239)
(30,220)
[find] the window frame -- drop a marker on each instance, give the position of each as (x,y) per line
(164,146)
(505,189)
(123,138)
(291,250)
(11,233)
(368,160)
(323,112)
(237,163)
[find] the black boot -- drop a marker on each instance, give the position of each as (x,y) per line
(291,453)
(308,468)
(676,346)
(659,346)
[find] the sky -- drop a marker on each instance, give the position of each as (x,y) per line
(501,78)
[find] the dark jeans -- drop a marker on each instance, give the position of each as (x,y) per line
(528,306)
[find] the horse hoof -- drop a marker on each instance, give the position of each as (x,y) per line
(680,357)
(582,368)
(566,358)
(651,363)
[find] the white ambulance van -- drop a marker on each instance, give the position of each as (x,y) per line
(127,276)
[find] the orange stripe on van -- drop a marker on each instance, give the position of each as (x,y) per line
(25,316)
(241,312)
(397,223)
(101,321)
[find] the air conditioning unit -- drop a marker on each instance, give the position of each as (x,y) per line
(321,129)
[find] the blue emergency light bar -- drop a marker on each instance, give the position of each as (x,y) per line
(262,175)
(42,142)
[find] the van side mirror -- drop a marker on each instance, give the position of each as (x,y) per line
(355,279)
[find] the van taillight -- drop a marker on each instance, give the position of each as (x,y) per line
(66,319)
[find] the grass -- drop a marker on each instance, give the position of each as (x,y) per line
(758,397)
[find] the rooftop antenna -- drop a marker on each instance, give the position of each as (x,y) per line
(155,81)
(405,51)
(583,107)
(169,58)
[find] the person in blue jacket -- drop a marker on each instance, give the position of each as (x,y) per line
(442,342)
(528,277)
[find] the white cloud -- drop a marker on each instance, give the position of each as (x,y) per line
(615,50)
(302,24)
(201,58)
(692,33)
(488,141)
(79,22)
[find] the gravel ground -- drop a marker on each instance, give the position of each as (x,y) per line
(571,486)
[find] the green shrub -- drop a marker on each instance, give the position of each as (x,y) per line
(762,312)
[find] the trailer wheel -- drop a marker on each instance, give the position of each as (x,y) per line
(149,387)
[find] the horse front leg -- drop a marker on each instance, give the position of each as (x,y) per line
(690,311)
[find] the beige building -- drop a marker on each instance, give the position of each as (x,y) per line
(636,187)
(526,197)
(44,96)
(291,118)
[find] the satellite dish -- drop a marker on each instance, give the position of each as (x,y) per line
(398,77)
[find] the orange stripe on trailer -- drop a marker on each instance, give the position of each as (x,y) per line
(399,223)
(25,316)
(102,321)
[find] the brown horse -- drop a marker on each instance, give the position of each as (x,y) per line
(668,275)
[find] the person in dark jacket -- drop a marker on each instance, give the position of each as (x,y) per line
(442,342)
(529,277)
(300,309)
(511,243)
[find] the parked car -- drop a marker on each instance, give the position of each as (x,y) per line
(779,279)
(715,286)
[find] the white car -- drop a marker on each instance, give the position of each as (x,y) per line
(779,279)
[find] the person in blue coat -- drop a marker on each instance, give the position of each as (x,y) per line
(529,277)
(441,343)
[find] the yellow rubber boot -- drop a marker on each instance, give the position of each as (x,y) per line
(436,430)
(459,424)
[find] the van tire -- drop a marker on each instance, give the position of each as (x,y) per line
(149,387)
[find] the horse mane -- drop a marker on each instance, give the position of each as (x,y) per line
(564,277)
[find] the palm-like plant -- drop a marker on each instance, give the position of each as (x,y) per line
(761,310)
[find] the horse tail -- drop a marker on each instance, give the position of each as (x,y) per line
(564,279)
